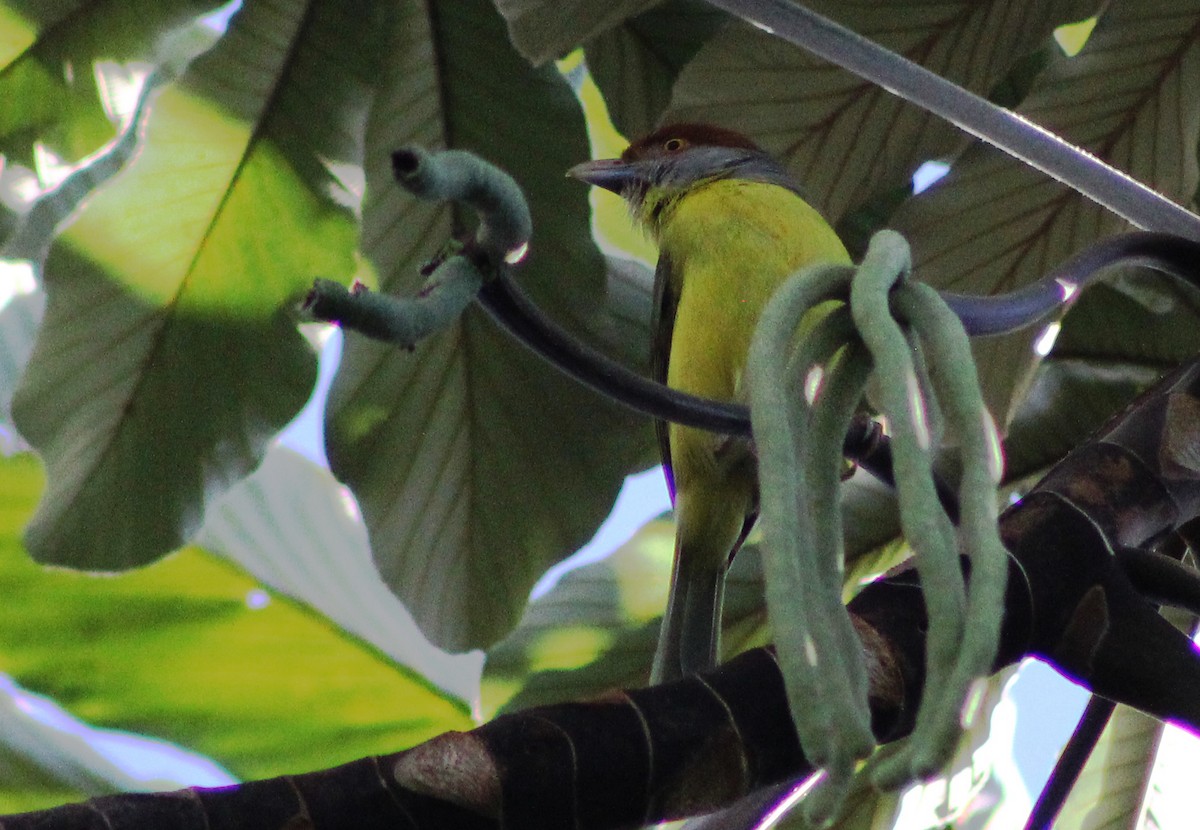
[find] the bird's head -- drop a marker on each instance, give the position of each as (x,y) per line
(664,165)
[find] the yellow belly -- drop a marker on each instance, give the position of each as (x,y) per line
(731,244)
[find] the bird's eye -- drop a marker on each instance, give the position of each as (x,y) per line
(673,145)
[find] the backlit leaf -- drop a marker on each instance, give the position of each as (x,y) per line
(994,224)
(194,650)
(844,139)
(168,356)
(475,463)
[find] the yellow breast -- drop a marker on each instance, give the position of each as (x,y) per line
(731,244)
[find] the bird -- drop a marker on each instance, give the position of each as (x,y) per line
(731,225)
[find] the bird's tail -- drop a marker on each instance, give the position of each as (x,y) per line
(691,628)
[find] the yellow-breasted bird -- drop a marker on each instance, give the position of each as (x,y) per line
(730,226)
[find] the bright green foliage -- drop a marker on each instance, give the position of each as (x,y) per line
(47,54)
(168,356)
(597,628)
(177,650)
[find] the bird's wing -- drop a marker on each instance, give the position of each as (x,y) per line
(662,326)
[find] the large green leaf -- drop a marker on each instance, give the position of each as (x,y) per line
(1114,785)
(42,207)
(546,29)
(636,62)
(845,139)
(194,650)
(994,224)
(48,51)
(293,527)
(1136,316)
(476,464)
(168,356)
(1111,788)
(1116,341)
(598,627)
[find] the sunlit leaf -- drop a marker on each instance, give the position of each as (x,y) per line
(844,139)
(168,357)
(994,224)
(476,464)
(1111,787)
(44,206)
(48,51)
(292,526)
(196,651)
(595,630)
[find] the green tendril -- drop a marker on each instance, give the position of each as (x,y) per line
(955,381)
(828,717)
(502,238)
(925,524)
(835,405)
(505,225)
(401,320)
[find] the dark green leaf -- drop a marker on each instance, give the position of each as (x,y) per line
(994,224)
(846,140)
(476,464)
(543,30)
(636,62)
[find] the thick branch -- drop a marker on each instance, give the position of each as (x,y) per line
(686,747)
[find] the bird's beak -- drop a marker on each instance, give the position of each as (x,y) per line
(611,174)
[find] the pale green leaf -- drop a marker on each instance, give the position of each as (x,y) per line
(1170,799)
(168,357)
(543,30)
(994,224)
(1111,788)
(19,321)
(48,53)
(844,139)
(866,808)
(636,62)
(37,221)
(475,463)
(194,650)
(293,527)
(597,629)
(48,758)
